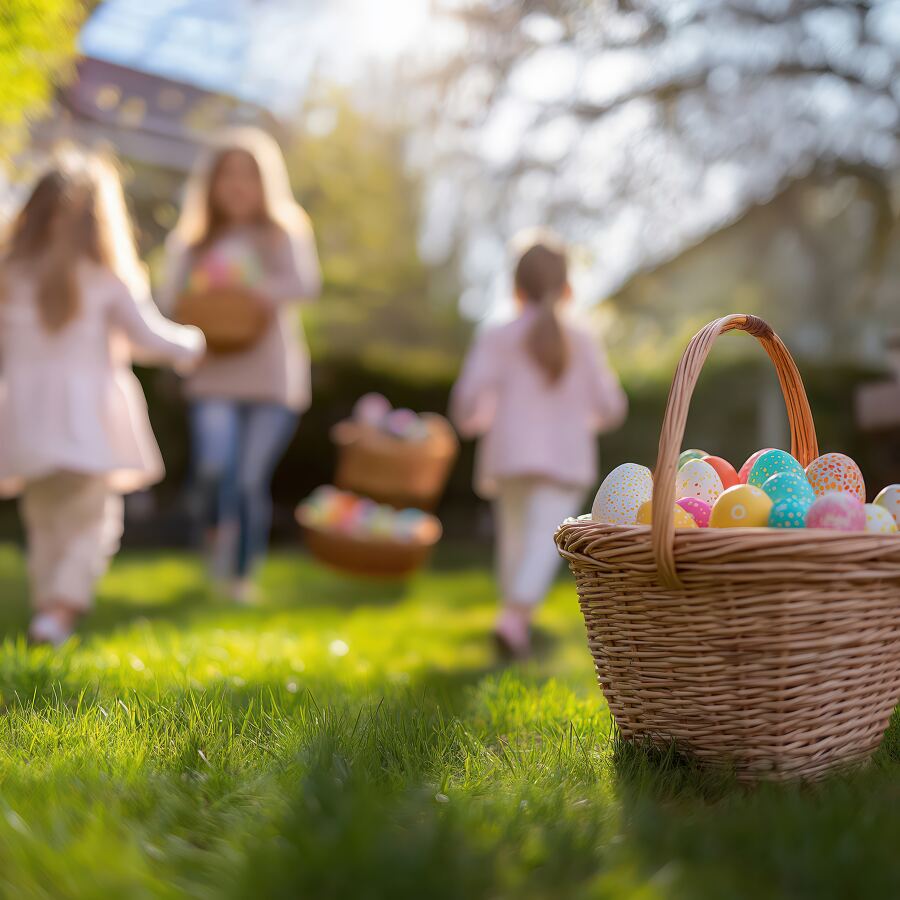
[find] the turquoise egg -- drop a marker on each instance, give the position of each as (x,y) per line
(789,513)
(785,485)
(770,464)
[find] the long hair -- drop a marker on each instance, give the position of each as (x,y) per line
(542,279)
(201,222)
(75,212)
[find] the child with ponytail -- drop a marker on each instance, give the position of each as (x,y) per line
(74,432)
(537,391)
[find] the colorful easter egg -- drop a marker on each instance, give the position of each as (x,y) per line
(879,520)
(744,471)
(687,455)
(681,518)
(771,463)
(790,512)
(790,484)
(724,469)
(371,409)
(698,479)
(697,509)
(889,498)
(741,506)
(837,510)
(621,494)
(836,472)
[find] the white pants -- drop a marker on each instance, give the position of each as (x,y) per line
(73,524)
(527,512)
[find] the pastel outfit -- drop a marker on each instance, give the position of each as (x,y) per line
(74,431)
(245,406)
(537,454)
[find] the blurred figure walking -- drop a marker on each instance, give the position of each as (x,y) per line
(241,226)
(536,390)
(74,432)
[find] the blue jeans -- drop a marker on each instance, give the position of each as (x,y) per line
(236,447)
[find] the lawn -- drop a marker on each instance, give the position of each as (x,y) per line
(345,740)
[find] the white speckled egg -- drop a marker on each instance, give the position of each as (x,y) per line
(623,491)
(889,498)
(879,520)
(699,479)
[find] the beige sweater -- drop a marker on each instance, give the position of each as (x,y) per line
(276,368)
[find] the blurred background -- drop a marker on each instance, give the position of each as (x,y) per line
(700,156)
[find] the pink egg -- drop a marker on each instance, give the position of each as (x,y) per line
(697,509)
(836,472)
(744,472)
(838,511)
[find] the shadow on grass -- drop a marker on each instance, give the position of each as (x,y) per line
(705,836)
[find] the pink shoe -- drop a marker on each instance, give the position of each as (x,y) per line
(513,633)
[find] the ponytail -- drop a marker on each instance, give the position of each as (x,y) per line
(546,341)
(58,299)
(541,280)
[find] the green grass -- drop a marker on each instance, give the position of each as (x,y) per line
(345,740)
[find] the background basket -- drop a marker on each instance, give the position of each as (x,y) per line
(373,558)
(392,470)
(775,652)
(231,319)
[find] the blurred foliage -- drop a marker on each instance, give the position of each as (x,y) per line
(37,46)
(378,302)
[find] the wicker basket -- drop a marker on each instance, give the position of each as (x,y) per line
(392,470)
(231,319)
(372,558)
(775,652)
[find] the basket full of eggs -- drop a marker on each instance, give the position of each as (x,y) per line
(395,456)
(220,299)
(357,535)
(750,616)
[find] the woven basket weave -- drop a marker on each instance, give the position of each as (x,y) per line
(232,319)
(392,470)
(775,652)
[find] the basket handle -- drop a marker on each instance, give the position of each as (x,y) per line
(803,430)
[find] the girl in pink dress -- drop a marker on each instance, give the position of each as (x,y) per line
(74,432)
(537,391)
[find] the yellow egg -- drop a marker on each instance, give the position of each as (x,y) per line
(620,495)
(889,499)
(741,506)
(682,519)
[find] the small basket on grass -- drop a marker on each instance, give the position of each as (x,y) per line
(395,470)
(368,555)
(774,652)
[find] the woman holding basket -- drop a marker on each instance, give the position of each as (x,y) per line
(240,257)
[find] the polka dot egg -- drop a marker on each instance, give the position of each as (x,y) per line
(879,520)
(622,493)
(837,511)
(744,471)
(790,512)
(889,498)
(698,479)
(787,485)
(697,509)
(836,472)
(771,463)
(742,506)
(681,518)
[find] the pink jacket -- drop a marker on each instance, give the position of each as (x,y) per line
(68,399)
(530,427)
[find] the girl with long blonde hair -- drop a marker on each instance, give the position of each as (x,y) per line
(536,391)
(74,432)
(244,405)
